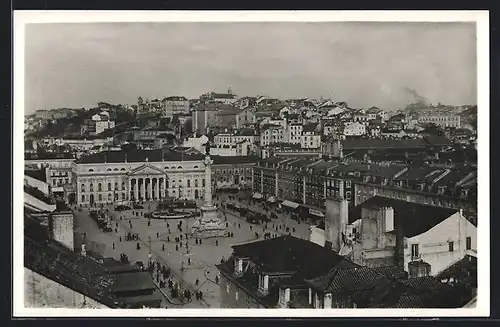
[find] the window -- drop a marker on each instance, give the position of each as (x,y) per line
(203,180)
(109,186)
(188,183)
(109,197)
(450,246)
(348,184)
(91,186)
(100,197)
(195,183)
(236,295)
(123,196)
(123,185)
(82,187)
(228,287)
(83,198)
(91,169)
(99,187)
(109,169)
(414,251)
(116,185)
(468,243)
(348,195)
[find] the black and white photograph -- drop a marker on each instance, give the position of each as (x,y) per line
(196,164)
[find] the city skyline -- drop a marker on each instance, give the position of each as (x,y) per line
(364,64)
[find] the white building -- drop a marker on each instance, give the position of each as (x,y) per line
(103,125)
(382,231)
(120,176)
(354,129)
(272,134)
(294,133)
(310,138)
(440,119)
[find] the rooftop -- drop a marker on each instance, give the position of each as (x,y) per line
(286,254)
(221,160)
(137,156)
(414,218)
(132,281)
(38,174)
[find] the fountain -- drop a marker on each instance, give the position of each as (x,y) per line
(209,223)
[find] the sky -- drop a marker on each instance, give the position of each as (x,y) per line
(365,64)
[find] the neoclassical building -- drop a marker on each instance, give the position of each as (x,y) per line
(121,177)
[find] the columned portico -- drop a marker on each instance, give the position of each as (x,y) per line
(147,183)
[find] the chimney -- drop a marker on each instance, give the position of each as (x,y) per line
(336,220)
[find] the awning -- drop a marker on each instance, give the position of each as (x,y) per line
(271,199)
(257,195)
(290,204)
(315,212)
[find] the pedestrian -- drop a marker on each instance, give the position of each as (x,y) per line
(138,246)
(293,229)
(239,225)
(181,237)
(250,227)
(217,279)
(163,247)
(189,261)
(84,235)
(197,282)
(176,247)
(200,241)
(168,238)
(113,245)
(157,235)
(216,243)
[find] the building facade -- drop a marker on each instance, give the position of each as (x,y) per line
(140,175)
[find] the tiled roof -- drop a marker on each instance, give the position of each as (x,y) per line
(286,254)
(33,191)
(221,160)
(133,281)
(48,156)
(384,171)
(38,174)
(419,174)
(353,278)
(464,268)
(137,156)
(308,128)
(361,144)
(69,269)
(414,218)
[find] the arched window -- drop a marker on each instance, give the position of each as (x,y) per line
(83,198)
(203,180)
(109,186)
(91,186)
(109,197)
(109,169)
(116,196)
(123,196)
(116,169)
(82,187)
(166,184)
(123,169)
(195,167)
(100,197)
(91,169)
(180,167)
(188,183)
(173,167)
(99,187)
(195,183)
(123,185)
(116,185)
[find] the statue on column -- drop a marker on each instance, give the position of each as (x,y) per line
(209,223)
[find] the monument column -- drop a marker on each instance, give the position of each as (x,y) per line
(208,181)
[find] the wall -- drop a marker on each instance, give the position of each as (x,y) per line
(62,228)
(229,300)
(433,244)
(41,292)
(336,218)
(317,235)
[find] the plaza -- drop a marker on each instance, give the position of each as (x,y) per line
(187,264)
